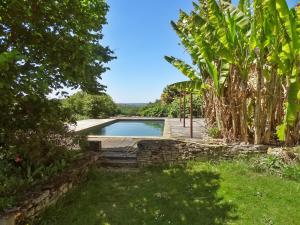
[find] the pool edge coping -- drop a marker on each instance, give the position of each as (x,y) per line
(166,131)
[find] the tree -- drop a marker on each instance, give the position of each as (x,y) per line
(169,94)
(45,46)
(86,106)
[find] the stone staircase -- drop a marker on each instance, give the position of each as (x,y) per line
(118,159)
(117,152)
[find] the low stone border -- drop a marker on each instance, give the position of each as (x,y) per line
(47,194)
(171,151)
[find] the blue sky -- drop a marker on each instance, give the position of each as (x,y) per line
(140,34)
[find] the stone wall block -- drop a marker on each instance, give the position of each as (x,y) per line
(170,151)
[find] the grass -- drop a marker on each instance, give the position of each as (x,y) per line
(228,192)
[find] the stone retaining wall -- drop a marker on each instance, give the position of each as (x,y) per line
(166,151)
(37,200)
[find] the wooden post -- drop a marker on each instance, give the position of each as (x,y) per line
(180,106)
(191,115)
(183,109)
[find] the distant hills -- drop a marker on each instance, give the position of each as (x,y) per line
(133,104)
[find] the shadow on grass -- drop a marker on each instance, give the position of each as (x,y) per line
(171,195)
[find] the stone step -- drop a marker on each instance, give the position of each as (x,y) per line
(118,155)
(129,149)
(121,169)
(119,163)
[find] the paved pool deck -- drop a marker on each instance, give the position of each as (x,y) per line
(173,128)
(86,124)
(176,129)
(126,147)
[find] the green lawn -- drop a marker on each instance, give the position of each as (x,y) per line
(199,193)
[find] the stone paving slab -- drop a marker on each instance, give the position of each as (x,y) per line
(178,131)
(86,124)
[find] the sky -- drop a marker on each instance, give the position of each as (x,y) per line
(140,34)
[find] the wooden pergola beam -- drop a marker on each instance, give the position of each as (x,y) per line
(180,107)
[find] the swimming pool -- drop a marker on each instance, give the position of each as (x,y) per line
(129,128)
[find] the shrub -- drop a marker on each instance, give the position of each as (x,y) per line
(275,165)
(156,109)
(130,109)
(172,110)
(270,163)
(291,172)
(174,107)
(41,133)
(38,146)
(18,174)
(214,132)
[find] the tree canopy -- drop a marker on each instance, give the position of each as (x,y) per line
(46,46)
(87,106)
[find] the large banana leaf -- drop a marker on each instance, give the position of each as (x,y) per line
(213,71)
(189,86)
(291,60)
(184,68)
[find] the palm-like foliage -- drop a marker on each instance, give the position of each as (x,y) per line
(249,57)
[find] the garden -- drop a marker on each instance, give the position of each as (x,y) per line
(243,79)
(242,191)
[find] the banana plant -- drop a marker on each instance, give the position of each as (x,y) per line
(252,74)
(290,66)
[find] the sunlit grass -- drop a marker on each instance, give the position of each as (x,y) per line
(199,193)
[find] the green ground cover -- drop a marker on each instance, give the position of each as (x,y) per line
(16,179)
(229,192)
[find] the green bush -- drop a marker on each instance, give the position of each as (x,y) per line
(41,133)
(172,110)
(291,172)
(17,173)
(214,132)
(174,107)
(130,109)
(156,109)
(84,106)
(169,94)
(275,165)
(37,147)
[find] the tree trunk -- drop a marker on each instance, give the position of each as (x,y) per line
(257,131)
(233,105)
(218,113)
(244,117)
(272,87)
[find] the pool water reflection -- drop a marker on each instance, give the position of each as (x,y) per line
(130,128)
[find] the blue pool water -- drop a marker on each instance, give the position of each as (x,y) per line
(130,128)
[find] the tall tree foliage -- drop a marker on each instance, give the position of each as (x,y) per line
(45,46)
(169,94)
(247,59)
(87,106)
